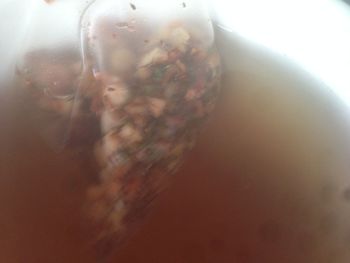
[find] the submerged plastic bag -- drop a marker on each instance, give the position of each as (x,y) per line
(120,87)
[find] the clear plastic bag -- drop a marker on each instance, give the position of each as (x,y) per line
(112,94)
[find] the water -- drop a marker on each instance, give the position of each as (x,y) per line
(268,181)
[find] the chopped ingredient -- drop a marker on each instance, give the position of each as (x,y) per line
(149,103)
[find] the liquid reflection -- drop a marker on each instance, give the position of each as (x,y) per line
(313,33)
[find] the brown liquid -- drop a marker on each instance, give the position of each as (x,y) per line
(267,182)
(42,193)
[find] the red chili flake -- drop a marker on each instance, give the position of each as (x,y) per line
(133,6)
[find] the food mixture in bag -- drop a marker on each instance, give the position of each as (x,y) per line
(137,113)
